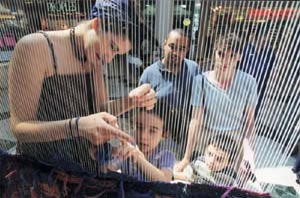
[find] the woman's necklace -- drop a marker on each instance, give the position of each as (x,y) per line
(77,51)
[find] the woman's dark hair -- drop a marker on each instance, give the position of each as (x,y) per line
(117,27)
(225,143)
(118,17)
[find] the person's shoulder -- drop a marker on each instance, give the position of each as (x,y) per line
(33,39)
(167,144)
(31,44)
(166,153)
(154,67)
(201,76)
(149,73)
(197,79)
(191,62)
(245,76)
(162,151)
(247,80)
(192,66)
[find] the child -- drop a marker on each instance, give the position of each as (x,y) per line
(217,164)
(148,160)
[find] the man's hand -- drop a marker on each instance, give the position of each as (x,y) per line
(143,96)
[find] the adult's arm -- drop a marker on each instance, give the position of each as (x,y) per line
(30,64)
(193,134)
(142,96)
(250,122)
(249,111)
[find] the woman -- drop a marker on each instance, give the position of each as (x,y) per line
(223,100)
(57,88)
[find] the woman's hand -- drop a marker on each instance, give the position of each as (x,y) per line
(127,150)
(143,96)
(181,165)
(100,128)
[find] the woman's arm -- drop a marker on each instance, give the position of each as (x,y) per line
(30,64)
(194,130)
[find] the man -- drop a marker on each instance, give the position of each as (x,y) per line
(172,78)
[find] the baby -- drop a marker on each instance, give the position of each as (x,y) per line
(216,164)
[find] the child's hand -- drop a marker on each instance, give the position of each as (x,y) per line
(127,150)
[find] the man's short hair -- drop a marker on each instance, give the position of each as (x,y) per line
(179,31)
(229,42)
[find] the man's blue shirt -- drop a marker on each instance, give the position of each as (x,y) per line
(174,89)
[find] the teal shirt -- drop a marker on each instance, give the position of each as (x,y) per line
(224,109)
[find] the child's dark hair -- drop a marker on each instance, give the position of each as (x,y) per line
(165,113)
(225,143)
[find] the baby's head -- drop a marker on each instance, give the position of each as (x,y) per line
(220,152)
(151,127)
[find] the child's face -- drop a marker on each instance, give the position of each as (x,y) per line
(149,130)
(215,158)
